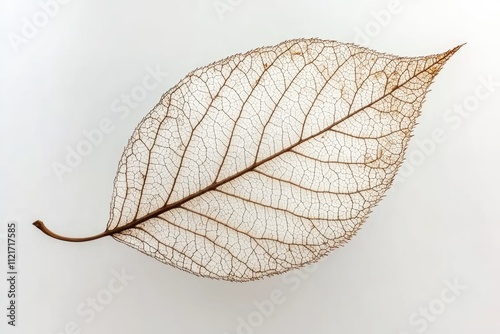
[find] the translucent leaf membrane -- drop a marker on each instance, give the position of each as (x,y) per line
(266,161)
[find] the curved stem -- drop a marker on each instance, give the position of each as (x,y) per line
(40,225)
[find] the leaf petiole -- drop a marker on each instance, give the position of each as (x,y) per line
(41,226)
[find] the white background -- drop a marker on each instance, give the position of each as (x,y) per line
(438,224)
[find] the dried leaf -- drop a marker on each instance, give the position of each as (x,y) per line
(266,161)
